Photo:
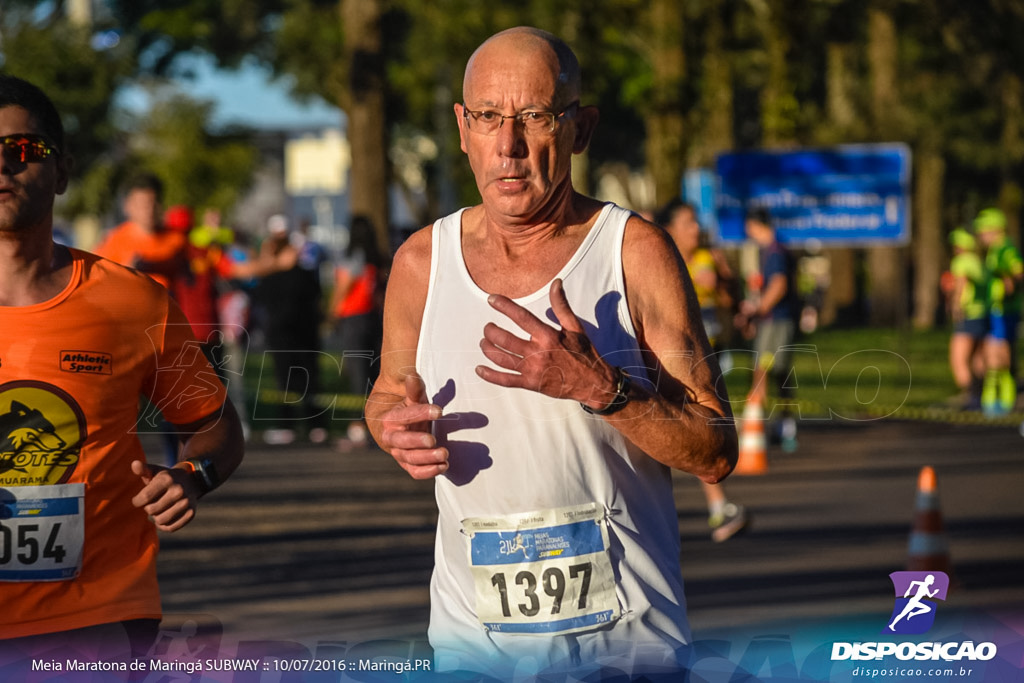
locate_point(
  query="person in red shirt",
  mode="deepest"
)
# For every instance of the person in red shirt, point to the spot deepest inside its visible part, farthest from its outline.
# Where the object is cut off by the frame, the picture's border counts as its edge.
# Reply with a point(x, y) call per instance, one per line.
point(195, 286)
point(79, 506)
point(206, 269)
point(356, 311)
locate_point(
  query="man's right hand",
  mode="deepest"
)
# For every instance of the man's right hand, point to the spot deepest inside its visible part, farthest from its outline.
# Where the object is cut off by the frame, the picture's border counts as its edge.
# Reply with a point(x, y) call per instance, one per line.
point(406, 433)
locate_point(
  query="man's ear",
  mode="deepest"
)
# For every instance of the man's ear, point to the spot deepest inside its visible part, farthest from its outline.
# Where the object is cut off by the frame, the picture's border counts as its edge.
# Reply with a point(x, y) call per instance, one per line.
point(65, 163)
point(460, 119)
point(586, 123)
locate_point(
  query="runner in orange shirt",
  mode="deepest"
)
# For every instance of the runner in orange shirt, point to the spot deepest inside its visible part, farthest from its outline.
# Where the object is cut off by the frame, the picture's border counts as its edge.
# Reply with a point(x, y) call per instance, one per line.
point(79, 506)
point(142, 242)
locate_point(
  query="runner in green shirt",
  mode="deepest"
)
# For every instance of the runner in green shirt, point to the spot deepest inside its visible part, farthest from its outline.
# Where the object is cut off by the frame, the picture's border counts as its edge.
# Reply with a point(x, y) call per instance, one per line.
point(1005, 297)
point(969, 310)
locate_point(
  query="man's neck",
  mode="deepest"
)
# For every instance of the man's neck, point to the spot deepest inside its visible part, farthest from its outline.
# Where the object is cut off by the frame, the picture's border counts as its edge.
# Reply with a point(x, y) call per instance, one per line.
point(558, 217)
point(31, 270)
point(515, 259)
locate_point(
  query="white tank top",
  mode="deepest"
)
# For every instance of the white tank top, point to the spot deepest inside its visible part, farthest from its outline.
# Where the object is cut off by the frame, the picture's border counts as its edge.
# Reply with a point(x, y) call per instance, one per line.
point(514, 452)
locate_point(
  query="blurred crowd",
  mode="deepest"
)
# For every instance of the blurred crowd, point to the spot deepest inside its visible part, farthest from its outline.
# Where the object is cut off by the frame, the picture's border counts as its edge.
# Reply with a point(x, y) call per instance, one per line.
point(274, 290)
point(277, 290)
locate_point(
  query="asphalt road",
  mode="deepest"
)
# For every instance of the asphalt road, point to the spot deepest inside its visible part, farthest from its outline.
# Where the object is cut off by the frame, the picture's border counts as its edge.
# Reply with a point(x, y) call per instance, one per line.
point(307, 545)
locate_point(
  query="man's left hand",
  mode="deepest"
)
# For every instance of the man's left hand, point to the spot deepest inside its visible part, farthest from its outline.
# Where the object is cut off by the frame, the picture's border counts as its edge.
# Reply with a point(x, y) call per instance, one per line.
point(561, 363)
point(168, 495)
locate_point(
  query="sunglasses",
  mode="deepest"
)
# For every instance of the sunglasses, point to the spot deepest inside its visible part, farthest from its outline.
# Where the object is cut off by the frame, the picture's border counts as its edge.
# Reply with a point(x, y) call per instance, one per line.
point(28, 147)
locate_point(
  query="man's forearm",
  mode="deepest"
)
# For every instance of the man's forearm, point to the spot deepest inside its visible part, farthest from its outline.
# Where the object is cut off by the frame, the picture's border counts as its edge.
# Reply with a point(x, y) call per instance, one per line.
point(218, 440)
point(690, 437)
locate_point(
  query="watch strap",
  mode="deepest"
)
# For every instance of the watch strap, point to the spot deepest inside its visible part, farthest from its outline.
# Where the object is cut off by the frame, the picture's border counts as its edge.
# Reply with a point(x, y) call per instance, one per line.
point(620, 399)
point(204, 472)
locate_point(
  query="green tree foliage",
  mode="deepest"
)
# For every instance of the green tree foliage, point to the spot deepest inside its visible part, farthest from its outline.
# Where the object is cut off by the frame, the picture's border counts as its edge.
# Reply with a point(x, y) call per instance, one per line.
point(968, 68)
point(49, 51)
point(82, 77)
point(425, 69)
point(230, 29)
point(424, 45)
point(676, 81)
point(198, 169)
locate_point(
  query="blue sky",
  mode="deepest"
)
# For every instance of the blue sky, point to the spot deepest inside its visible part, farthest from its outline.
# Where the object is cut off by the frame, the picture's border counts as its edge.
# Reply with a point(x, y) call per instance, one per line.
point(245, 96)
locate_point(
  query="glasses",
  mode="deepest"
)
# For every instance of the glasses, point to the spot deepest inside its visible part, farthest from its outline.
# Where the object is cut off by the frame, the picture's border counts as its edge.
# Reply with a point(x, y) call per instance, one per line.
point(488, 122)
point(28, 147)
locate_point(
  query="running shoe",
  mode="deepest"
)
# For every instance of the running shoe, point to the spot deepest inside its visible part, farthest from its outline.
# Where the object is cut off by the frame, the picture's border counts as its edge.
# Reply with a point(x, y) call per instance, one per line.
point(732, 520)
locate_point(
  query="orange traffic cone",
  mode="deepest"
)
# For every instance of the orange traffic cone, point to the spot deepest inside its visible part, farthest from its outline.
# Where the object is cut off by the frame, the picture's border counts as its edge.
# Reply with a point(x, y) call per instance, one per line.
point(753, 445)
point(927, 549)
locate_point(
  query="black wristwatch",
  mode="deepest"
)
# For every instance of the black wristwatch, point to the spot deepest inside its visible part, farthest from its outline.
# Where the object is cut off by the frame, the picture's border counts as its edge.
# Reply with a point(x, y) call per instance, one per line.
point(204, 473)
point(619, 401)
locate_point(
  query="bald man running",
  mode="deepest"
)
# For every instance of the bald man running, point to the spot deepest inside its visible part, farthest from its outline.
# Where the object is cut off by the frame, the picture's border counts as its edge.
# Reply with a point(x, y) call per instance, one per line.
point(545, 363)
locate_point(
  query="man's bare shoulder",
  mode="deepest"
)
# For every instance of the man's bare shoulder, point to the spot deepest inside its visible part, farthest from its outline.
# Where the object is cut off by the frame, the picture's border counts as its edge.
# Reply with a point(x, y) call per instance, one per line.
point(408, 282)
point(412, 259)
point(658, 286)
point(647, 250)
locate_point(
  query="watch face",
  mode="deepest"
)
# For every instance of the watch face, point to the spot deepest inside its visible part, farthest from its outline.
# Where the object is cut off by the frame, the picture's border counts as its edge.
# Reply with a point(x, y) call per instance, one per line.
point(200, 482)
point(200, 471)
point(213, 479)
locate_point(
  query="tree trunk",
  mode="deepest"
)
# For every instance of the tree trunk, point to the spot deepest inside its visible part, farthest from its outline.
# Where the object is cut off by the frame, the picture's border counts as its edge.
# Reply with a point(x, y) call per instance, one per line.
point(840, 82)
point(779, 107)
point(664, 119)
point(572, 29)
point(717, 94)
point(841, 296)
point(367, 127)
point(1012, 144)
point(887, 298)
point(1011, 196)
point(443, 196)
point(887, 286)
point(929, 254)
point(883, 53)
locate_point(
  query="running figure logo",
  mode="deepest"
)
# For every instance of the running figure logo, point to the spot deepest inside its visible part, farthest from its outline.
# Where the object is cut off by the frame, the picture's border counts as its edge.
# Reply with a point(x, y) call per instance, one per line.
point(515, 545)
point(914, 612)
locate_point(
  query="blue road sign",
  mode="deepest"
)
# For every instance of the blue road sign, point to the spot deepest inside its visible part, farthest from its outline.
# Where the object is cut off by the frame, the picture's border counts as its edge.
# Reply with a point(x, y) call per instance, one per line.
point(698, 189)
point(857, 195)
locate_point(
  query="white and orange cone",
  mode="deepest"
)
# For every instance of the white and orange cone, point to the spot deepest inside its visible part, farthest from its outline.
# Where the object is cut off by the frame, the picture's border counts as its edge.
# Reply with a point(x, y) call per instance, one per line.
point(928, 549)
point(753, 444)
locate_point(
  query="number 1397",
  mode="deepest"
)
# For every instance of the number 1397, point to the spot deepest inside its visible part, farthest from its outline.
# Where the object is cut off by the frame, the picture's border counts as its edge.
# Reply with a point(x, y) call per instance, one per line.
point(552, 582)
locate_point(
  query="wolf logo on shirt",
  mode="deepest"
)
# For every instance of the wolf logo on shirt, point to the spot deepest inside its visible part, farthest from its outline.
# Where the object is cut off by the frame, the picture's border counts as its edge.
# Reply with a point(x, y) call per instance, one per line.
point(38, 443)
point(26, 434)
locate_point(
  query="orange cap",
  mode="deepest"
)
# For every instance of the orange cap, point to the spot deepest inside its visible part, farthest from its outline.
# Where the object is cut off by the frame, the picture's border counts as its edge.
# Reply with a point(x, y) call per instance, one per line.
point(926, 482)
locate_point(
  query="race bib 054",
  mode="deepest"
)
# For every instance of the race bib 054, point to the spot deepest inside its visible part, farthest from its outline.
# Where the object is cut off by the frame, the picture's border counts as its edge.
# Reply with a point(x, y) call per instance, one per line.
point(545, 572)
point(41, 532)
